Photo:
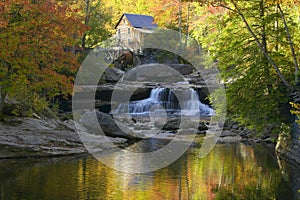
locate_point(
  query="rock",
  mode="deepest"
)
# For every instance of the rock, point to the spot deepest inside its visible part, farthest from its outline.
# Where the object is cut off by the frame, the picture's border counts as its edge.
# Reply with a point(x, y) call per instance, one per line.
point(140, 93)
point(245, 133)
point(142, 126)
point(228, 133)
point(235, 126)
point(189, 131)
point(93, 120)
point(202, 126)
point(172, 124)
point(39, 124)
point(153, 73)
point(268, 140)
point(184, 69)
point(104, 93)
point(112, 74)
point(36, 137)
point(69, 124)
point(29, 137)
point(228, 136)
point(229, 139)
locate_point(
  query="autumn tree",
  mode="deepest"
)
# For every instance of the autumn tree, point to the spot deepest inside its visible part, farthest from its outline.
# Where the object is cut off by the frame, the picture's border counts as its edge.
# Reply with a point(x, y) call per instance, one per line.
point(35, 65)
point(174, 15)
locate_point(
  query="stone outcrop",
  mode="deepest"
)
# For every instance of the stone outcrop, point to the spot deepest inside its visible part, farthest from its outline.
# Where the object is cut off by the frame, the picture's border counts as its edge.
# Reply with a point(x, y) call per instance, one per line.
point(183, 69)
point(31, 137)
point(228, 136)
point(153, 72)
point(233, 131)
point(288, 145)
point(101, 123)
point(112, 75)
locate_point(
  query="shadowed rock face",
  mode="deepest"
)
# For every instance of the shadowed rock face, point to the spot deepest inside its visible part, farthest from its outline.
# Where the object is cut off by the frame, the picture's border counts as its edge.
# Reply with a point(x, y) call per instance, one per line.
point(183, 69)
point(112, 75)
point(105, 124)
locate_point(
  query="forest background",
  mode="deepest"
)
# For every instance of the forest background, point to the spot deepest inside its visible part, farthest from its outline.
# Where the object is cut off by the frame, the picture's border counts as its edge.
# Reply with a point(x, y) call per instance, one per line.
point(255, 45)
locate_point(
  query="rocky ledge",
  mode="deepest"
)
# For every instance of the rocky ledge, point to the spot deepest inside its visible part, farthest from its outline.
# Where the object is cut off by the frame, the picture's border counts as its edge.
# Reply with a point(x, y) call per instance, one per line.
point(234, 133)
point(31, 137)
point(35, 137)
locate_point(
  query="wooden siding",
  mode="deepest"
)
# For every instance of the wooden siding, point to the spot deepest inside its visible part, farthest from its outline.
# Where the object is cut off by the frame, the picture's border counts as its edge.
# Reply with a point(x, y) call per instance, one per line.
point(128, 36)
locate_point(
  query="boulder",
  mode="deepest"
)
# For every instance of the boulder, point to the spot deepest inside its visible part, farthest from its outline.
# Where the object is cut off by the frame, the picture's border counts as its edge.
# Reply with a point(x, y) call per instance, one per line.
point(93, 120)
point(172, 124)
point(202, 126)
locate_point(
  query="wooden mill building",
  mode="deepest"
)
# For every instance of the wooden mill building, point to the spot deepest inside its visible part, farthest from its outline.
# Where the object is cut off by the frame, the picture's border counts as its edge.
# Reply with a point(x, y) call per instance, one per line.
point(132, 28)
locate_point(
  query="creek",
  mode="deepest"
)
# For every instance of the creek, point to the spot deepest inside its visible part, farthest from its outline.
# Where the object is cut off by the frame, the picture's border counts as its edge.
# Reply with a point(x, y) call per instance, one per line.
point(229, 171)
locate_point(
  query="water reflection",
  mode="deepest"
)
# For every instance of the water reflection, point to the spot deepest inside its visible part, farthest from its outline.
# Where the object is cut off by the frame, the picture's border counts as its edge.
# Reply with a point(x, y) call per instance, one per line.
point(235, 171)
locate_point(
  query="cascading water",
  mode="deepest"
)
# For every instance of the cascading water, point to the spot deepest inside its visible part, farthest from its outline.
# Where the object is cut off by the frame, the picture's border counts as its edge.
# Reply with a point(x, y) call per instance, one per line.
point(166, 99)
point(190, 104)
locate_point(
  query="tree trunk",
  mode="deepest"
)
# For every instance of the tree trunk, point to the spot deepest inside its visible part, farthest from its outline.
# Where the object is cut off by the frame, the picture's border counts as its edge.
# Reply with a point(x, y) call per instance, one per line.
point(265, 62)
point(83, 41)
point(2, 101)
point(179, 22)
point(290, 43)
point(86, 22)
point(187, 26)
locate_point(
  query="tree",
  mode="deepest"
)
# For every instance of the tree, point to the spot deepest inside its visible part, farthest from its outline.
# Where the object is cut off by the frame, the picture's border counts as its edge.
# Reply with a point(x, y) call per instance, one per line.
point(34, 64)
point(255, 45)
point(96, 20)
point(173, 15)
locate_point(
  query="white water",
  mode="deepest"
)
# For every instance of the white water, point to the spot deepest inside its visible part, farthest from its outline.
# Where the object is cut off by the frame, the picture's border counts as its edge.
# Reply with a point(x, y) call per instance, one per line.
point(190, 104)
point(162, 97)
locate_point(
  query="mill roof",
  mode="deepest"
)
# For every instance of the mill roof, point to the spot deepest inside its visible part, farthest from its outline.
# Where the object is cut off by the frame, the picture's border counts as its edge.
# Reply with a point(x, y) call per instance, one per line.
point(139, 21)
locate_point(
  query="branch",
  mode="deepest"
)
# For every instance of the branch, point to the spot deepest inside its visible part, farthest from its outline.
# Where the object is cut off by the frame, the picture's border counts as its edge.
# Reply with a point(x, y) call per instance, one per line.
point(17, 12)
point(227, 7)
point(262, 47)
point(96, 6)
point(56, 22)
point(291, 44)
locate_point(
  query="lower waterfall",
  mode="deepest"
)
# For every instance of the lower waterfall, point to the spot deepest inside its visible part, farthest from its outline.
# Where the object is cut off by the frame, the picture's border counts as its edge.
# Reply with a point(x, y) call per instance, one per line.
point(165, 98)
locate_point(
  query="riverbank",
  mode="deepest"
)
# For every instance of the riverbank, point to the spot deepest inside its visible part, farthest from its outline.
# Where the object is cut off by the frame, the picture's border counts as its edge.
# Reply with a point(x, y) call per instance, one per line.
point(33, 137)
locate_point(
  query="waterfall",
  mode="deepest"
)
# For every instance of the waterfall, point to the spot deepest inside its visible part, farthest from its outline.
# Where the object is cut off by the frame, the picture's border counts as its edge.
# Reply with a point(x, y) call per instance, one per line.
point(191, 102)
point(165, 98)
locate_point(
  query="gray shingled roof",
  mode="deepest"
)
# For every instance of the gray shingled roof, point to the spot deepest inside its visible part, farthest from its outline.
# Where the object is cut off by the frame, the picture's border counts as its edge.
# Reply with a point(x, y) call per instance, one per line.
point(139, 21)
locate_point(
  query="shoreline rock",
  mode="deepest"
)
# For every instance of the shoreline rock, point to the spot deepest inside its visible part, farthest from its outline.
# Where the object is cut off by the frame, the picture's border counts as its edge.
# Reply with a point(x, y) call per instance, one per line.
point(101, 123)
point(287, 147)
point(30, 137)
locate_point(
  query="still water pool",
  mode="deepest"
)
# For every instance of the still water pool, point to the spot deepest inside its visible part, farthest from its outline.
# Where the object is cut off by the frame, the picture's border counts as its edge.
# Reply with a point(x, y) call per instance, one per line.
point(230, 171)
